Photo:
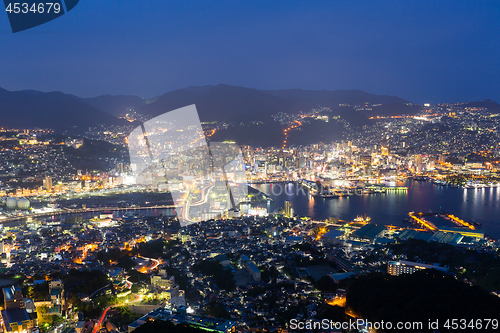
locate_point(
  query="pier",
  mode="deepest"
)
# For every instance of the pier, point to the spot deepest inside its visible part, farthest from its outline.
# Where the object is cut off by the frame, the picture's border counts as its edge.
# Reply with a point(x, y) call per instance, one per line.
point(429, 225)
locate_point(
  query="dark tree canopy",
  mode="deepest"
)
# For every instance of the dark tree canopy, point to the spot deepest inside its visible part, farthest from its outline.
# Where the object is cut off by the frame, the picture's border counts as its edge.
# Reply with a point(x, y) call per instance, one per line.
point(421, 296)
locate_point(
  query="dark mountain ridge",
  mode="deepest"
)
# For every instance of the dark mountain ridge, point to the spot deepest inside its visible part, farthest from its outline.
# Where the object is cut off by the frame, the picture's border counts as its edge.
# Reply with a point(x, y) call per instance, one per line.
point(116, 105)
point(222, 103)
point(230, 103)
point(332, 98)
point(53, 110)
point(64, 112)
point(492, 106)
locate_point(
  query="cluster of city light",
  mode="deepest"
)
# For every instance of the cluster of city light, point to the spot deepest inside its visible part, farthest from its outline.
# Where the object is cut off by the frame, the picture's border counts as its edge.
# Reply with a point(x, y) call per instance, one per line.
point(337, 301)
point(321, 232)
point(212, 132)
point(86, 248)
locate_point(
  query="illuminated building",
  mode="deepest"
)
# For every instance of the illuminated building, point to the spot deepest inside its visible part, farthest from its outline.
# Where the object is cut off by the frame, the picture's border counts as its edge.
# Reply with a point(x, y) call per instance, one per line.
point(253, 270)
point(365, 159)
point(15, 316)
point(288, 209)
point(183, 316)
point(56, 297)
point(167, 289)
point(47, 183)
point(464, 232)
point(257, 211)
point(410, 267)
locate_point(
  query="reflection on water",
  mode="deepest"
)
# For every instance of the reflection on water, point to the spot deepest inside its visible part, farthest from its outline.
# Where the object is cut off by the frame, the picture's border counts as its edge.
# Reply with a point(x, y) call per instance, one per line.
point(480, 205)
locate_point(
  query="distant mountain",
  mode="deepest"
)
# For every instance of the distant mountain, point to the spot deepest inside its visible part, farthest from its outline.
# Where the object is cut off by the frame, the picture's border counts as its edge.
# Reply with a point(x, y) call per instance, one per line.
point(352, 116)
point(53, 110)
point(392, 109)
point(333, 98)
point(233, 104)
point(236, 105)
point(222, 103)
point(116, 105)
point(269, 134)
point(492, 106)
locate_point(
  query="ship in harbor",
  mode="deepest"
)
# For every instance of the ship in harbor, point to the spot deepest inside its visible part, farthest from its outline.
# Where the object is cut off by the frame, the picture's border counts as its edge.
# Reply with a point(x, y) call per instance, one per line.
point(365, 218)
point(316, 189)
point(329, 195)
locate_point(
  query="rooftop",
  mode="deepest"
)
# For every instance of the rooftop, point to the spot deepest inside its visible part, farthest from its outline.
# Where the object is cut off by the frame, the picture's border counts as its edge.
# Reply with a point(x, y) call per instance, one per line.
point(370, 231)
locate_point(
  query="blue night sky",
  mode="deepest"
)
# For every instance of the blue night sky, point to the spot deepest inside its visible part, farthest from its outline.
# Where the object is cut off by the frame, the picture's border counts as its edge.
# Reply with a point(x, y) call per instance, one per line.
point(423, 51)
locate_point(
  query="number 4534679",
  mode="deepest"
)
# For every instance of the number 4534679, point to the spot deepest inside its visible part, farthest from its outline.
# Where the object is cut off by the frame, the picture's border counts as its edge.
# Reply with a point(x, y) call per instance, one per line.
point(36, 8)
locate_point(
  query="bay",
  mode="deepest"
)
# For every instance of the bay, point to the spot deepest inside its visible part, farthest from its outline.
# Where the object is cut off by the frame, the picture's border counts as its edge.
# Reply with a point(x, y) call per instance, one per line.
point(480, 205)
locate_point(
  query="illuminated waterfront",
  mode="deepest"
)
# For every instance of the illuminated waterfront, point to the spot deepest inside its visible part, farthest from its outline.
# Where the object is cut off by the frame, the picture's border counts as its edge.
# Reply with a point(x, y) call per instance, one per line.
point(480, 205)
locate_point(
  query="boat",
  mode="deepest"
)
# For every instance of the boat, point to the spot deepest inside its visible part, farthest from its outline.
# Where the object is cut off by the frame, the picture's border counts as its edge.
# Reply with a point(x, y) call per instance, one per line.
point(477, 224)
point(329, 195)
point(364, 218)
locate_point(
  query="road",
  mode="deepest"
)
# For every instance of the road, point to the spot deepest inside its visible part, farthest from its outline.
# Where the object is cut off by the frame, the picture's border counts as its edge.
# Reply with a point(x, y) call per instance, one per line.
point(104, 313)
point(146, 269)
point(203, 196)
point(81, 210)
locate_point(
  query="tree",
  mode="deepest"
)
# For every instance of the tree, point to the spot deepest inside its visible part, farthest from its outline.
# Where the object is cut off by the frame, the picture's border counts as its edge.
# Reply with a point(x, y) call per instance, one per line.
point(326, 284)
point(40, 292)
point(423, 295)
point(217, 310)
point(222, 277)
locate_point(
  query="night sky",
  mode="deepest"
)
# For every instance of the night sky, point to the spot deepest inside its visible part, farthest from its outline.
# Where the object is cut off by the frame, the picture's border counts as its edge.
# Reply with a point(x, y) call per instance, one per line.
point(423, 51)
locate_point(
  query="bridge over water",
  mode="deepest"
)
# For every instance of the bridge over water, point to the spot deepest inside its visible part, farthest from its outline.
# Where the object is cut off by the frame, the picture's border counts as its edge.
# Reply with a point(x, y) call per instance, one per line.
point(67, 211)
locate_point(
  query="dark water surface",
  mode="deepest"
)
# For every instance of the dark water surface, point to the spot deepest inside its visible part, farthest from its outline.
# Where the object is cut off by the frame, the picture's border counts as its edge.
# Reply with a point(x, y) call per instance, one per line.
point(480, 205)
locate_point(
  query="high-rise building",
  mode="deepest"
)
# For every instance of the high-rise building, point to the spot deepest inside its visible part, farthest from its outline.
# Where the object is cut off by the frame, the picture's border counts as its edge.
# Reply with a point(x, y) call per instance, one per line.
point(119, 167)
point(14, 315)
point(365, 159)
point(47, 183)
point(166, 288)
point(288, 209)
point(56, 297)
point(418, 159)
